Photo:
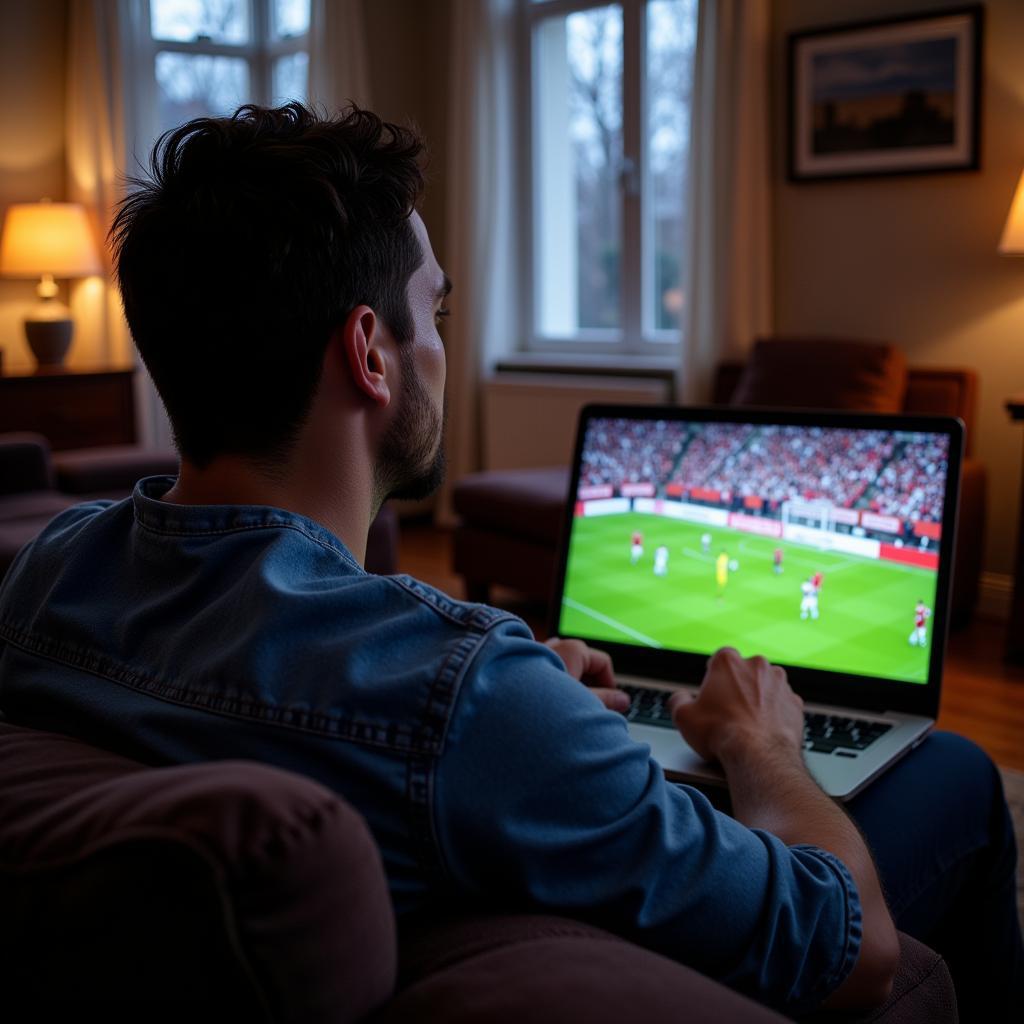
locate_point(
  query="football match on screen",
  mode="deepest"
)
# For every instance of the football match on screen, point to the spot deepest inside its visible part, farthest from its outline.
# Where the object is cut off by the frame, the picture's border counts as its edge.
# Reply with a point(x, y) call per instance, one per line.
point(816, 547)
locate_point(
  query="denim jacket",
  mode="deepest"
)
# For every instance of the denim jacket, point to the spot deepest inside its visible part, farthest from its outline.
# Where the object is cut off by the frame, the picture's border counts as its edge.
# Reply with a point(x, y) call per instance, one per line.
point(176, 633)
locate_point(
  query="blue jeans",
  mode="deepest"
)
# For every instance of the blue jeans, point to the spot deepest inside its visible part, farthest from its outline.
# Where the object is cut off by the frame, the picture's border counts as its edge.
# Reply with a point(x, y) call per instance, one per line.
point(940, 831)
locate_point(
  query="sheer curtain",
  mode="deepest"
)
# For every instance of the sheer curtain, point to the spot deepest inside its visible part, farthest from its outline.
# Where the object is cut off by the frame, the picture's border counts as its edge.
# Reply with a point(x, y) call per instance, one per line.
point(96, 147)
point(481, 224)
point(728, 258)
point(101, 133)
point(338, 70)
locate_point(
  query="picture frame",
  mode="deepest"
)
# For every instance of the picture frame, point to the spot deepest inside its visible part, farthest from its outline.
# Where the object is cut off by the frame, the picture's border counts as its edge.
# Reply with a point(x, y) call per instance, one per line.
point(896, 96)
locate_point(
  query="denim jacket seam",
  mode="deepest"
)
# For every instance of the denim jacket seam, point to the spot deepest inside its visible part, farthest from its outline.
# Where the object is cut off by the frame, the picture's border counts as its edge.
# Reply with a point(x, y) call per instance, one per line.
point(354, 730)
point(480, 618)
point(422, 770)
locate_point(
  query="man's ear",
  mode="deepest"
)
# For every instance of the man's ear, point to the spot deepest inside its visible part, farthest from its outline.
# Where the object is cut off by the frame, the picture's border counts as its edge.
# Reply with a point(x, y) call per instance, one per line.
point(367, 357)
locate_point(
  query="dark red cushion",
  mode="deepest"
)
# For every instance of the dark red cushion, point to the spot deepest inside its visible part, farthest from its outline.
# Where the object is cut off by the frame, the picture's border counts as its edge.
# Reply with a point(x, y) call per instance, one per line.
point(509, 969)
point(25, 463)
point(35, 505)
point(113, 469)
point(295, 879)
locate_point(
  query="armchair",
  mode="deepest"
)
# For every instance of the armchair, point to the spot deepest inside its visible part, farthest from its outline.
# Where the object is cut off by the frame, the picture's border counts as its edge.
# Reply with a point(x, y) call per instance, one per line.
point(239, 886)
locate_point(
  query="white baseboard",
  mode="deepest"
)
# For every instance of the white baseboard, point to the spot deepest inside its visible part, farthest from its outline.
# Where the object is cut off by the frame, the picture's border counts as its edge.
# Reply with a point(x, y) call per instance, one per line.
point(994, 596)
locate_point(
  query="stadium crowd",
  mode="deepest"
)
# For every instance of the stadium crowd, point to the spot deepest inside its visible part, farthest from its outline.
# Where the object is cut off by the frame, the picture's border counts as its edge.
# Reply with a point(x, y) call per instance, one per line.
point(709, 450)
point(626, 451)
point(873, 469)
point(911, 486)
point(780, 463)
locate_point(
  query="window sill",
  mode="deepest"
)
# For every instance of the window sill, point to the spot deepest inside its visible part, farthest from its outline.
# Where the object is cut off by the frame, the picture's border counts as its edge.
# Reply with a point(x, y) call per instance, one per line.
point(661, 367)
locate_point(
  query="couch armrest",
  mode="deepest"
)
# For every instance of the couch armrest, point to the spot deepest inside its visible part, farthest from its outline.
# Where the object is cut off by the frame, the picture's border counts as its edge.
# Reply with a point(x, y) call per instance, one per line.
point(921, 994)
point(25, 463)
point(513, 967)
point(111, 471)
point(510, 968)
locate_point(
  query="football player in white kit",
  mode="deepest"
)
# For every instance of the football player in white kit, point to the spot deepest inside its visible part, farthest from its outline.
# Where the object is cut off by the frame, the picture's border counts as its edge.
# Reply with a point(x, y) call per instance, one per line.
point(809, 602)
point(661, 561)
point(705, 542)
point(919, 634)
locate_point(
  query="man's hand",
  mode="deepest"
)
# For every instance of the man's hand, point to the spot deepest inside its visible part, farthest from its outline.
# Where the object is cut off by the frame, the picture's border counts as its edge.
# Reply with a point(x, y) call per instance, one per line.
point(592, 668)
point(745, 706)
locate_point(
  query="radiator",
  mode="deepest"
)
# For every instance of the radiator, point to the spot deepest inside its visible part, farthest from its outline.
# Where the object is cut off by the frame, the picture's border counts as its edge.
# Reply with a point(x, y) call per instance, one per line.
point(529, 419)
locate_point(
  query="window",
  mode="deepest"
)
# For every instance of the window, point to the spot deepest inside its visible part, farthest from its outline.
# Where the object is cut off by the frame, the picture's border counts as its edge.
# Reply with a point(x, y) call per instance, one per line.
point(211, 56)
point(610, 88)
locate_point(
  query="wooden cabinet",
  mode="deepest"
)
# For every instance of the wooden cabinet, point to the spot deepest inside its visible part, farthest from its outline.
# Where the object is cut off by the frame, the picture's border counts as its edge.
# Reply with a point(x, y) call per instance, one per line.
point(71, 408)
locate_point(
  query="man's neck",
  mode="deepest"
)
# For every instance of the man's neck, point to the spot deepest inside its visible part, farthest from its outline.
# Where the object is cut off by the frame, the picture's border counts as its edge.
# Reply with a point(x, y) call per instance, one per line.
point(327, 498)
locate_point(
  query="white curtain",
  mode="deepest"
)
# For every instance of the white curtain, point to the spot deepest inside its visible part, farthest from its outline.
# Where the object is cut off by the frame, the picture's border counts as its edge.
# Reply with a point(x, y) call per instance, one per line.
point(338, 70)
point(728, 258)
point(481, 241)
point(95, 144)
point(101, 133)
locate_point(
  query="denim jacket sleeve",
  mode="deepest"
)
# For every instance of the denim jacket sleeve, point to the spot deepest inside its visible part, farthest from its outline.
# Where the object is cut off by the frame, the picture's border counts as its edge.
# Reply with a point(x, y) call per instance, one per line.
point(542, 795)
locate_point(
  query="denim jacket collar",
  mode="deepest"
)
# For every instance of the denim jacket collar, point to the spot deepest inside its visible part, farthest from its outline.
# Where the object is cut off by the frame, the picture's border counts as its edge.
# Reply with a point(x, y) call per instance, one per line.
point(165, 517)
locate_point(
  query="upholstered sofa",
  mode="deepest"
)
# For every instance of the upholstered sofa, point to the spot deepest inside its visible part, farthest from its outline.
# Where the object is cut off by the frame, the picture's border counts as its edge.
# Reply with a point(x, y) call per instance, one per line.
point(509, 522)
point(36, 484)
point(142, 893)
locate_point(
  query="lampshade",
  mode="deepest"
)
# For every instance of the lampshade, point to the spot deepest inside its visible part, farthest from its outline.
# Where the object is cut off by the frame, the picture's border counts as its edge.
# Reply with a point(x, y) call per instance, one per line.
point(1012, 242)
point(47, 238)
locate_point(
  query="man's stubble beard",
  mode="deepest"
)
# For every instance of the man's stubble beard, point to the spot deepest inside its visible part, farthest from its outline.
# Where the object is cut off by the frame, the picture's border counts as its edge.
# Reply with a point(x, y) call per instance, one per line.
point(411, 464)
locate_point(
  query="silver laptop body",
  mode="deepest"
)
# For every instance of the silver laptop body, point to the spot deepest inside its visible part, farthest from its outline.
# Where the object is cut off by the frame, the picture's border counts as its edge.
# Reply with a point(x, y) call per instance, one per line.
point(823, 541)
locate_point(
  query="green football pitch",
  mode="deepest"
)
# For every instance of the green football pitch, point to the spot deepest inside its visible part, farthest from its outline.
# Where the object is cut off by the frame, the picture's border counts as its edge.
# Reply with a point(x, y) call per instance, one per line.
point(866, 606)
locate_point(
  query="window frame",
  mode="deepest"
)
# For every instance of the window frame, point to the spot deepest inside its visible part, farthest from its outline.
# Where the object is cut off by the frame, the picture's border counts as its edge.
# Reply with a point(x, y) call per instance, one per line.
point(260, 53)
point(636, 337)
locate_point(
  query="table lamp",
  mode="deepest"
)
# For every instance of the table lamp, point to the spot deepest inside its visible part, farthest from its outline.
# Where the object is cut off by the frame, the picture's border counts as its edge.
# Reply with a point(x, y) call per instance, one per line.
point(1012, 242)
point(48, 240)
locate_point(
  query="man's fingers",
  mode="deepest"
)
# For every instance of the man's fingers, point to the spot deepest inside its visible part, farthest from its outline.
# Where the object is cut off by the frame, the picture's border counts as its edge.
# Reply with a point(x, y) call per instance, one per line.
point(680, 704)
point(724, 653)
point(614, 700)
point(597, 669)
point(585, 663)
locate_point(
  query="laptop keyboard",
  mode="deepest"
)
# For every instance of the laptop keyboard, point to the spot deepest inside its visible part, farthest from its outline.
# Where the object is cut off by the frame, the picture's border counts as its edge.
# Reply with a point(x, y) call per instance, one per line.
point(825, 734)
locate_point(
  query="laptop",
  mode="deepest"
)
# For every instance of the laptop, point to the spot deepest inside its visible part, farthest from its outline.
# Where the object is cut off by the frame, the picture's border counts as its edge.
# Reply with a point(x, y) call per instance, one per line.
point(822, 541)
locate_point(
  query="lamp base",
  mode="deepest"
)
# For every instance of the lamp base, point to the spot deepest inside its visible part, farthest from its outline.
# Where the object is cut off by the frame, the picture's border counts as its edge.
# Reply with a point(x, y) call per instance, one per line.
point(49, 340)
point(48, 331)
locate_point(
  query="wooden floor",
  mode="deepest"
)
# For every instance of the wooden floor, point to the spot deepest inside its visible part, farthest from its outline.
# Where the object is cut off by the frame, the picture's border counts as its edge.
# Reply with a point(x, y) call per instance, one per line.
point(982, 696)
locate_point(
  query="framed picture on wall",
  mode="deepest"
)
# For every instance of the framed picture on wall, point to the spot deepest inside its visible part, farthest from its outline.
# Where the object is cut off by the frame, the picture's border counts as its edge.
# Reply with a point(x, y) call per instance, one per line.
point(900, 96)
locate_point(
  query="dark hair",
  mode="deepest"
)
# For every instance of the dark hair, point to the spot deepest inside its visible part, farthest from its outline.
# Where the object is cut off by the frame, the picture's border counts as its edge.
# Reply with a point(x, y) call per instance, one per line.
point(255, 237)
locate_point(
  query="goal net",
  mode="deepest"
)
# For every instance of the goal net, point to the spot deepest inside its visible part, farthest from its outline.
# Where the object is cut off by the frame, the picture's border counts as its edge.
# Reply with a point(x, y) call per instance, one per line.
point(814, 514)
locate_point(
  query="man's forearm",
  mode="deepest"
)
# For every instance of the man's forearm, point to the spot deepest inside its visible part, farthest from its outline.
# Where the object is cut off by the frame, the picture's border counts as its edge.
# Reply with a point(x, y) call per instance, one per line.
point(773, 791)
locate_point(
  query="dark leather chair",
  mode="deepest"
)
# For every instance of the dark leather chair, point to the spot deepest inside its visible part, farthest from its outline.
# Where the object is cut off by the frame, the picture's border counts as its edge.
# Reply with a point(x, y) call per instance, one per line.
point(142, 892)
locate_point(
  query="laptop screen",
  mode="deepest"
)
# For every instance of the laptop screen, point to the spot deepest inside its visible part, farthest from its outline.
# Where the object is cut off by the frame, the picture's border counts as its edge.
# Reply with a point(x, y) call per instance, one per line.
point(815, 546)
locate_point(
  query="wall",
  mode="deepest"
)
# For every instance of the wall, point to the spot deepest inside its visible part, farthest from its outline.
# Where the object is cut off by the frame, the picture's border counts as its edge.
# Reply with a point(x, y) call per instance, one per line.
point(32, 52)
point(913, 259)
point(408, 44)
